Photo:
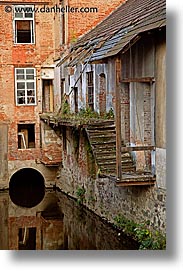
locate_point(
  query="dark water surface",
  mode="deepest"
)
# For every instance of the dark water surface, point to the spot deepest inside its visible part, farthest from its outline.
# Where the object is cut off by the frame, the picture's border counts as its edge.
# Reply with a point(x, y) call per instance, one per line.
point(57, 223)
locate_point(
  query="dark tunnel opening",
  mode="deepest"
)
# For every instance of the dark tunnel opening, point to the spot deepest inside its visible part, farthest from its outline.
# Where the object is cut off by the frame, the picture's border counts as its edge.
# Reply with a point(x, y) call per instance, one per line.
point(27, 188)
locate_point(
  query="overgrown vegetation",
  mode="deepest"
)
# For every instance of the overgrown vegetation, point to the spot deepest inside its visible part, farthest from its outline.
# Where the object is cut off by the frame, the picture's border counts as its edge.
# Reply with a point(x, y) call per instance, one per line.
point(80, 193)
point(65, 109)
point(84, 113)
point(140, 232)
point(109, 115)
point(87, 113)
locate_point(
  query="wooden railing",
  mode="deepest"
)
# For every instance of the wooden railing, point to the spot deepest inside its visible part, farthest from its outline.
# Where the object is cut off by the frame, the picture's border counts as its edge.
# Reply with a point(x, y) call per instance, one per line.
point(141, 166)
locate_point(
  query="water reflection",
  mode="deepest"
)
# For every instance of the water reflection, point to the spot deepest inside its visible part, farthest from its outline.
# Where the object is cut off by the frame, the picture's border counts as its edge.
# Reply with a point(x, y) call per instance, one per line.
point(57, 223)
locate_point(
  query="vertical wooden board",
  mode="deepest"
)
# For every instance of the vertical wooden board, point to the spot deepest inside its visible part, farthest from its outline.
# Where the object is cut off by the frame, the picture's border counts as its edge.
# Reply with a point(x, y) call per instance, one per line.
point(118, 119)
point(3, 151)
point(51, 97)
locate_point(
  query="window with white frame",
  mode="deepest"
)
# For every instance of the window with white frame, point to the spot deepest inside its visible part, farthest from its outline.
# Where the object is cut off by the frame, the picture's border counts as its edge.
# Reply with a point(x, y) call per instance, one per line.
point(25, 86)
point(24, 24)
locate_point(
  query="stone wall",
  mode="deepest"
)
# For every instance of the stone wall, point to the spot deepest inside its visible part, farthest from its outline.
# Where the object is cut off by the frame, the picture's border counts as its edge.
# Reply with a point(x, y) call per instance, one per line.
point(48, 173)
point(102, 196)
point(35, 55)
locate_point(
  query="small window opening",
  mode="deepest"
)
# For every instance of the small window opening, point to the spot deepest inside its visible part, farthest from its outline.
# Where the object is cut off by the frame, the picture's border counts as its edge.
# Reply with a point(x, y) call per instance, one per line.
point(76, 99)
point(27, 238)
point(23, 24)
point(90, 88)
point(24, 31)
point(26, 136)
point(62, 89)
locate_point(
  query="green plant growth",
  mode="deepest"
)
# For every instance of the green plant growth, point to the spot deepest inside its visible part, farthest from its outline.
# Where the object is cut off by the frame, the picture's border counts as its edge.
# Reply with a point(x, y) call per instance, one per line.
point(84, 115)
point(80, 193)
point(109, 114)
point(140, 232)
point(88, 113)
point(65, 109)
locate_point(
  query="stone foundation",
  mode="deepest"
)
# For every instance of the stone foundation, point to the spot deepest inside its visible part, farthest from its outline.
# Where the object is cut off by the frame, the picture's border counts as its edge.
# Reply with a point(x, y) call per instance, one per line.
point(137, 203)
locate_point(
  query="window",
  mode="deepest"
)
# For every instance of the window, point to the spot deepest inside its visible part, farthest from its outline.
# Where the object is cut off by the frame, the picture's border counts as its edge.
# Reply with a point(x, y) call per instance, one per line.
point(62, 89)
point(27, 238)
point(25, 86)
point(26, 136)
point(24, 24)
point(90, 89)
point(76, 99)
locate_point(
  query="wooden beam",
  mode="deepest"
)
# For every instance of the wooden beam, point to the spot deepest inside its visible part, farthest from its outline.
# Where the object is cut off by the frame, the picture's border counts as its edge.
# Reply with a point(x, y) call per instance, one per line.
point(51, 97)
point(118, 119)
point(139, 79)
point(137, 148)
point(135, 183)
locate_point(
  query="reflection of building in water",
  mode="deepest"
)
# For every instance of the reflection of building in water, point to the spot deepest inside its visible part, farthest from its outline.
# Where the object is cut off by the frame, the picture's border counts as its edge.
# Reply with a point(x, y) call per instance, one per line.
point(57, 223)
point(38, 228)
point(35, 233)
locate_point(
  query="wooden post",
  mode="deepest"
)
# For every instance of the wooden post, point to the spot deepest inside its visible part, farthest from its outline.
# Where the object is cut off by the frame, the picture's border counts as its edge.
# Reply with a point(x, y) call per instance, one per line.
point(118, 119)
point(51, 97)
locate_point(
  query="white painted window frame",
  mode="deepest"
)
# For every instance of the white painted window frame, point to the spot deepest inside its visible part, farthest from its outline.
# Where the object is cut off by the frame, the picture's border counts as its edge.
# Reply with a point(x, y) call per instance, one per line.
point(25, 81)
point(24, 19)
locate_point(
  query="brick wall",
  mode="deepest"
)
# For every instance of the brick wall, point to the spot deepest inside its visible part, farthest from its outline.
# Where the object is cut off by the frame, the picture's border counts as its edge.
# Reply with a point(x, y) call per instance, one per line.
point(13, 56)
point(80, 23)
point(43, 52)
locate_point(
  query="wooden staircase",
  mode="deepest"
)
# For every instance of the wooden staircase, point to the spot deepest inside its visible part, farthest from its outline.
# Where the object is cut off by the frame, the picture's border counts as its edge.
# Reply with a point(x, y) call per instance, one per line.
point(102, 137)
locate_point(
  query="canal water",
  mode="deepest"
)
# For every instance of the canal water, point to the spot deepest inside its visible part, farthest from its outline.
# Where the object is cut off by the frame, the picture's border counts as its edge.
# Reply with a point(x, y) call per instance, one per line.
point(56, 223)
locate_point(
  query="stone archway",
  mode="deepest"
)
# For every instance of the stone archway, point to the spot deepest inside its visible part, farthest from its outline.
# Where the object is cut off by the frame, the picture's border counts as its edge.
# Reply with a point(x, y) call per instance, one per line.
point(27, 187)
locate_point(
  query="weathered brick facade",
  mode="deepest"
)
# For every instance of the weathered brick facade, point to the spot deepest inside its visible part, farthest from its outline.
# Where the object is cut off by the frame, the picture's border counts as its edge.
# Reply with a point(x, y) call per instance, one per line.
point(81, 22)
point(40, 54)
point(25, 55)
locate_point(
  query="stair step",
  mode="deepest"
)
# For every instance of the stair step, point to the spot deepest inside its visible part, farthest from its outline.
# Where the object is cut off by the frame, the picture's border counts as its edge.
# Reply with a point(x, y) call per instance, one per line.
point(126, 164)
point(103, 142)
point(102, 127)
point(109, 151)
point(104, 135)
point(110, 158)
point(97, 132)
point(102, 123)
point(112, 169)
